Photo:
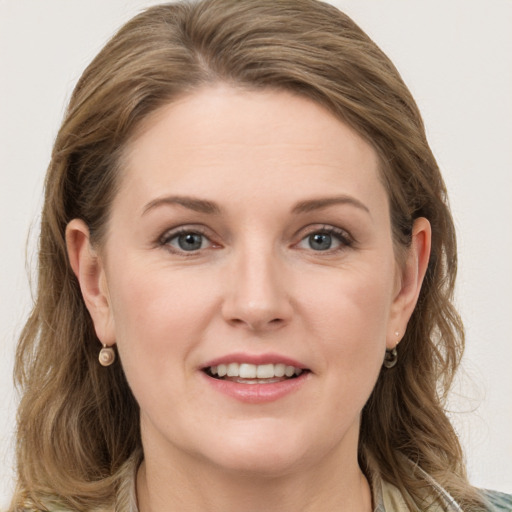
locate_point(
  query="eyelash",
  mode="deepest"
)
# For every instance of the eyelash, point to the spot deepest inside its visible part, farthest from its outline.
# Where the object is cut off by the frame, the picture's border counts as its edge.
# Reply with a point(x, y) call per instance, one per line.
point(345, 240)
point(168, 236)
point(342, 236)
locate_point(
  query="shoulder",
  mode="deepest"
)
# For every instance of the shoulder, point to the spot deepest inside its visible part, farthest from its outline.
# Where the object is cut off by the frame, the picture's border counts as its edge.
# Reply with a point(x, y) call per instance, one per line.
point(499, 501)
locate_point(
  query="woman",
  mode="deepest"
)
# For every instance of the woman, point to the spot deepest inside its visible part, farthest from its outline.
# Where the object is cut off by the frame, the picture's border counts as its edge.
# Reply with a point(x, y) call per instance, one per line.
point(245, 278)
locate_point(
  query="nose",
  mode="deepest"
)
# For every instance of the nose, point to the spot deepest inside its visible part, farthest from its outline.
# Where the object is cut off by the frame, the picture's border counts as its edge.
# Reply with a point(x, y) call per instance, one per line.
point(256, 296)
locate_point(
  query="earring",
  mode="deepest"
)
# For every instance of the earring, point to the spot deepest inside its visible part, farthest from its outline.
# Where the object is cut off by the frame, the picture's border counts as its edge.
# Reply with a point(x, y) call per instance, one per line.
point(107, 356)
point(391, 357)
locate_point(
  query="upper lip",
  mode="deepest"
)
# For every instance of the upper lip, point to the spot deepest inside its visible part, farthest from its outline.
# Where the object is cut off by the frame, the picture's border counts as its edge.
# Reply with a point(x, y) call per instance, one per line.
point(256, 359)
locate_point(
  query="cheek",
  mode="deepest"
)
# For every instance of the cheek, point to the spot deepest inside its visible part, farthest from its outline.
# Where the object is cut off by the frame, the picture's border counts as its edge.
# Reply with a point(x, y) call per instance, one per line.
point(157, 327)
point(156, 314)
point(347, 317)
point(349, 301)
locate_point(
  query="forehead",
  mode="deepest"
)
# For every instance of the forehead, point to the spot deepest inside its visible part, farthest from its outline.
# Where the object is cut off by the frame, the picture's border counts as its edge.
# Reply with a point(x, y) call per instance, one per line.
point(220, 137)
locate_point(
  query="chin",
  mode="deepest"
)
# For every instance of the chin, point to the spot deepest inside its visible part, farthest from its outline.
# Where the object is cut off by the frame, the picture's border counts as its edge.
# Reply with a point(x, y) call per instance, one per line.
point(263, 452)
point(265, 464)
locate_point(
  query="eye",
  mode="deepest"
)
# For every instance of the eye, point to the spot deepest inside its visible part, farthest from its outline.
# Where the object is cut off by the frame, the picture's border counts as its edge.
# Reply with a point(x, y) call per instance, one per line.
point(326, 239)
point(320, 241)
point(186, 241)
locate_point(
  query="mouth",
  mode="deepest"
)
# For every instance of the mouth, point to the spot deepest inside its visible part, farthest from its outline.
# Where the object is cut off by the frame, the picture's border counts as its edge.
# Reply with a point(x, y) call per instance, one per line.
point(247, 373)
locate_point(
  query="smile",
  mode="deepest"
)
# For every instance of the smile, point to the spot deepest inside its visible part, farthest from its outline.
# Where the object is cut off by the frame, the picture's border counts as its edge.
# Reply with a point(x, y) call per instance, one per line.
point(246, 373)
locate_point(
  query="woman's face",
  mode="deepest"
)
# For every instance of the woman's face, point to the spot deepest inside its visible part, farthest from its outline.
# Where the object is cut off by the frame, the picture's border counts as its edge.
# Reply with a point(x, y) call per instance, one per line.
point(250, 235)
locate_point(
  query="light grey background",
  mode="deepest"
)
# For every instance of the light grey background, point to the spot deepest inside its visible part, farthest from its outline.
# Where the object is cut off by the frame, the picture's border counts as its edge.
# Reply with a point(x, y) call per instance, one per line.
point(455, 55)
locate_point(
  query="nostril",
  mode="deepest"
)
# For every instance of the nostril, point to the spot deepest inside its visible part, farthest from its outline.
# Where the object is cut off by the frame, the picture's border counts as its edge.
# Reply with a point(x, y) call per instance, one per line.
point(257, 323)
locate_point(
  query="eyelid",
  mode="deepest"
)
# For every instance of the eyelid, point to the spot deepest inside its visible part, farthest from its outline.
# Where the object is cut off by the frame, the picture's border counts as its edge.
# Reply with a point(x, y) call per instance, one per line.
point(180, 230)
point(342, 235)
point(168, 235)
point(345, 239)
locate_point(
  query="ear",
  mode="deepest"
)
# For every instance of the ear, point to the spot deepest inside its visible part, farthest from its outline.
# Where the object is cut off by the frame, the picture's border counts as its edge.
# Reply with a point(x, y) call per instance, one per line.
point(410, 279)
point(89, 269)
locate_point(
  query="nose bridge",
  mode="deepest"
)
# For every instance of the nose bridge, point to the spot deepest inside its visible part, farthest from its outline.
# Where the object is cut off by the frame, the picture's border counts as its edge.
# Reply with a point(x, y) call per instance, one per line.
point(257, 295)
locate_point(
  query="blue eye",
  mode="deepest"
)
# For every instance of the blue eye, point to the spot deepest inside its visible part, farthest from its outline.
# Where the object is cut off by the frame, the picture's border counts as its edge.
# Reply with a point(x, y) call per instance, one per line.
point(190, 241)
point(326, 239)
point(320, 241)
point(187, 241)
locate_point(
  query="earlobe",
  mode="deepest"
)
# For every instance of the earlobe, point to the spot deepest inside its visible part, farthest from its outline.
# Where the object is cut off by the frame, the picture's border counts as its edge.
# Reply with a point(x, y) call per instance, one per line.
point(411, 278)
point(88, 268)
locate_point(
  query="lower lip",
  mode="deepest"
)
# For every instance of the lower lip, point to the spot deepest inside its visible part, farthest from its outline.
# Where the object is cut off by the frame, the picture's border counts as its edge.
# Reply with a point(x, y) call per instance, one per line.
point(257, 393)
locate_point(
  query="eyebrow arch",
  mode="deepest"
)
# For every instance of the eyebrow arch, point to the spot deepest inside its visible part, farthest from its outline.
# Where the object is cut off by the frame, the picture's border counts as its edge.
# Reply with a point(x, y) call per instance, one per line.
point(192, 203)
point(324, 202)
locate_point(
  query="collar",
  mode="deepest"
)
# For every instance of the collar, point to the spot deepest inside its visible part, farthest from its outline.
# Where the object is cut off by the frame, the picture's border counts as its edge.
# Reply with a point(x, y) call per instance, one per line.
point(388, 498)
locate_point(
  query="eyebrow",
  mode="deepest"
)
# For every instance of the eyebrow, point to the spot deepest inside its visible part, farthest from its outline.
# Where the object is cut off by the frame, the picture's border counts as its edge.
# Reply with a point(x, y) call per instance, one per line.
point(192, 203)
point(209, 207)
point(325, 202)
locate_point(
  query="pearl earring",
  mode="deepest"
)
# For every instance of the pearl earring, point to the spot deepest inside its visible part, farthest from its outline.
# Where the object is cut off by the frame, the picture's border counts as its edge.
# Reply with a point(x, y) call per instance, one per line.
point(107, 356)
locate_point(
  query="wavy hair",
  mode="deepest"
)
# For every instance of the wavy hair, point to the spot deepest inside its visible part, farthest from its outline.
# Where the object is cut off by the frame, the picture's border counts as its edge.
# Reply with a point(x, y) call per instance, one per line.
point(78, 423)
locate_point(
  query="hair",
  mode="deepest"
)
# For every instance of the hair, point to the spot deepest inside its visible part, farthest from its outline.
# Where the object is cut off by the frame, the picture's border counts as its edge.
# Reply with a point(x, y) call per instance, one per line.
point(78, 424)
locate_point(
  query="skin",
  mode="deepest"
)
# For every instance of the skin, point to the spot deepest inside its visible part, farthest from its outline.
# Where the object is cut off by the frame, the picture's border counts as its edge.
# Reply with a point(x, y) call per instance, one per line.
point(256, 286)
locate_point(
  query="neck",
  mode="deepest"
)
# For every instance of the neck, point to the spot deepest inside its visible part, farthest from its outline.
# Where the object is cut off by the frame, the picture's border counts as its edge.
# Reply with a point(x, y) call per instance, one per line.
point(332, 485)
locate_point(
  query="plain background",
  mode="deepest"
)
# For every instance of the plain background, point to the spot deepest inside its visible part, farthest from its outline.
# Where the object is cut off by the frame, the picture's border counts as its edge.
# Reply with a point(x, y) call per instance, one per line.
point(456, 57)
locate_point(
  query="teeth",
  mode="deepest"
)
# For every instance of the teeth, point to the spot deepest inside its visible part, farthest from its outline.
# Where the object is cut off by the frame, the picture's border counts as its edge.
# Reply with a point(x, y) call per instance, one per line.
point(253, 371)
point(247, 371)
point(265, 371)
point(279, 370)
point(233, 370)
point(289, 371)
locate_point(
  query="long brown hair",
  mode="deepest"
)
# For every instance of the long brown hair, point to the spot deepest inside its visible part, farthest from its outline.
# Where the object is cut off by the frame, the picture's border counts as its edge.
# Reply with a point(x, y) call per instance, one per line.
point(78, 423)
